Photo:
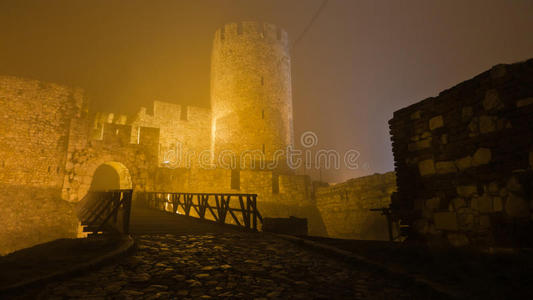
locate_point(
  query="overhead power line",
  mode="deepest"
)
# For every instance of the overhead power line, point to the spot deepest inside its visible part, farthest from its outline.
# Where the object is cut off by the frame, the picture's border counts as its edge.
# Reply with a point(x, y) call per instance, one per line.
point(313, 19)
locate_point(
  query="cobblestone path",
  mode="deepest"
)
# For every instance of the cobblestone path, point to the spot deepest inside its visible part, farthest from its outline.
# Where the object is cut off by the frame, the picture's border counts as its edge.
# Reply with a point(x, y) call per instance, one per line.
point(229, 266)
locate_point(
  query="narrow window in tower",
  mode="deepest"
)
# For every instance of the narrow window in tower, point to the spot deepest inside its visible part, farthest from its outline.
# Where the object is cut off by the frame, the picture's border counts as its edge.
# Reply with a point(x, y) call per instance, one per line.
point(57, 170)
point(262, 31)
point(263, 148)
point(239, 28)
point(48, 169)
point(263, 114)
point(275, 183)
point(235, 179)
point(184, 113)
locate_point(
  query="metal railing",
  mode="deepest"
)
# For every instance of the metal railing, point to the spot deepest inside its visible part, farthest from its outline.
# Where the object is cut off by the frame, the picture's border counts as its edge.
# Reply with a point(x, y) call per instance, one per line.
point(242, 208)
point(106, 211)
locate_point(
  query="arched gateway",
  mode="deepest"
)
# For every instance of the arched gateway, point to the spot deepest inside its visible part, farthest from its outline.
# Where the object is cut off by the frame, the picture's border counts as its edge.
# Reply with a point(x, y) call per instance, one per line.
point(111, 176)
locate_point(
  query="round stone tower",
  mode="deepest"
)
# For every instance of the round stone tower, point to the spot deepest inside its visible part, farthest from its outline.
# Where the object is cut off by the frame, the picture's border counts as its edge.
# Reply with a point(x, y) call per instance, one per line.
point(251, 95)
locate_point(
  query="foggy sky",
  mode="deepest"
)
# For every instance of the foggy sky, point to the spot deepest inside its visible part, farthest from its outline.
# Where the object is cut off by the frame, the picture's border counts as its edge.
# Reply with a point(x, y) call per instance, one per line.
point(358, 63)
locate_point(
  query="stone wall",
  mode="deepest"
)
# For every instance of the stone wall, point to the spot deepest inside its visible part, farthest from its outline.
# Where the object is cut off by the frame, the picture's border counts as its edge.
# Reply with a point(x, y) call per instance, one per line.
point(34, 130)
point(33, 215)
point(464, 159)
point(345, 207)
point(34, 135)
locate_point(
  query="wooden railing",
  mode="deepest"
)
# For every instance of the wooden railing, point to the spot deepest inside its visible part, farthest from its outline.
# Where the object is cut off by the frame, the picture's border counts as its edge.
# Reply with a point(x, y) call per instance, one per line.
point(107, 211)
point(242, 208)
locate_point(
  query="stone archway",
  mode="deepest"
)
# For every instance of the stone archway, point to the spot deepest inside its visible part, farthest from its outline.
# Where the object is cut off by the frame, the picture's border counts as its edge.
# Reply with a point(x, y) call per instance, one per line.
point(111, 175)
point(79, 178)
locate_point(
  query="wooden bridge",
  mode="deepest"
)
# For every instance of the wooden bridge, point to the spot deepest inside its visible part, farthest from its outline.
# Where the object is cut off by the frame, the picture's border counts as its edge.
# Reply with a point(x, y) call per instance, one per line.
point(111, 211)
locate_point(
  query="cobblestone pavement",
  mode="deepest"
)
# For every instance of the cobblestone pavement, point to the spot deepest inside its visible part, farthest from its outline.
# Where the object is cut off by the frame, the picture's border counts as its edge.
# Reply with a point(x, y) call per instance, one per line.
point(229, 266)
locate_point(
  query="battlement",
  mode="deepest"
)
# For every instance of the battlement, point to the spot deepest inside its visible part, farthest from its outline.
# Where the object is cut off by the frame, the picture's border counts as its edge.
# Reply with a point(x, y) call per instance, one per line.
point(110, 118)
point(113, 130)
point(253, 31)
point(165, 112)
point(116, 133)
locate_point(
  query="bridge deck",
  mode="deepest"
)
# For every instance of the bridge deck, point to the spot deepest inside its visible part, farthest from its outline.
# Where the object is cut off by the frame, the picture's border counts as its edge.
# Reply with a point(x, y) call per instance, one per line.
point(148, 221)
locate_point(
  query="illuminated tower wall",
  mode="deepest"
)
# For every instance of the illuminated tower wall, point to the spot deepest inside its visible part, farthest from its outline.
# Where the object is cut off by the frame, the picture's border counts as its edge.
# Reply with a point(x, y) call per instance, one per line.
point(251, 94)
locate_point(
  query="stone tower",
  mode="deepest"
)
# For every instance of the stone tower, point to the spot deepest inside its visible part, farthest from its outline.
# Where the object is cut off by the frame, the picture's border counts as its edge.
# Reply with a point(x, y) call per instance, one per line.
point(251, 95)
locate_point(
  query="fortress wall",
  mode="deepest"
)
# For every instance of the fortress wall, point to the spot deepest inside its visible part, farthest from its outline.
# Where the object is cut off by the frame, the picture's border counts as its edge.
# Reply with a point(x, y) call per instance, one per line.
point(295, 189)
point(34, 133)
point(183, 129)
point(345, 207)
point(464, 159)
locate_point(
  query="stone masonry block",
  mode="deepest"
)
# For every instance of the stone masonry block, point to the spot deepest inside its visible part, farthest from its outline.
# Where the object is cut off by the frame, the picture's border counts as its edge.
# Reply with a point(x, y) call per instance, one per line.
point(445, 221)
point(436, 122)
point(497, 204)
point(425, 135)
point(416, 115)
point(432, 204)
point(445, 167)
point(423, 144)
point(481, 157)
point(426, 167)
point(514, 185)
point(444, 139)
point(487, 124)
point(516, 206)
point(458, 239)
point(524, 102)
point(464, 163)
point(483, 204)
point(466, 113)
point(457, 203)
point(493, 188)
point(466, 190)
point(484, 222)
point(492, 100)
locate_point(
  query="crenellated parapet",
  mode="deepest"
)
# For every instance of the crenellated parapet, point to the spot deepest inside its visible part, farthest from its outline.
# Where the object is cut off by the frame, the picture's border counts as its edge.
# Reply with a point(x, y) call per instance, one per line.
point(116, 130)
point(251, 31)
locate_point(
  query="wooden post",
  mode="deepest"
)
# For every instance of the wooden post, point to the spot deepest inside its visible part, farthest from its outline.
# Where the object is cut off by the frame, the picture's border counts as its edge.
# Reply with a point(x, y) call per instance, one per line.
point(245, 210)
point(128, 196)
point(116, 201)
point(254, 200)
